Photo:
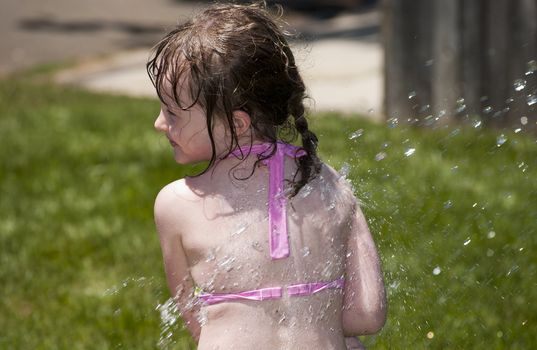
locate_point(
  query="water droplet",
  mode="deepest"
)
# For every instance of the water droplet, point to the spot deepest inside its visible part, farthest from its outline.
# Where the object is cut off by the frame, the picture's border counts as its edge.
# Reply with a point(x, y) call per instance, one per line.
point(491, 234)
point(477, 123)
point(500, 140)
point(517, 130)
point(523, 166)
point(227, 263)
point(490, 252)
point(305, 251)
point(455, 168)
point(210, 257)
point(305, 191)
point(239, 231)
point(487, 109)
point(532, 67)
point(281, 319)
point(460, 106)
point(519, 84)
point(468, 240)
point(437, 270)
point(356, 134)
point(429, 63)
point(514, 268)
point(499, 334)
point(520, 249)
point(393, 122)
point(344, 171)
point(430, 335)
point(455, 132)
point(523, 120)
point(395, 285)
point(257, 246)
point(370, 111)
point(410, 152)
point(531, 99)
point(425, 108)
point(448, 204)
point(380, 156)
point(411, 95)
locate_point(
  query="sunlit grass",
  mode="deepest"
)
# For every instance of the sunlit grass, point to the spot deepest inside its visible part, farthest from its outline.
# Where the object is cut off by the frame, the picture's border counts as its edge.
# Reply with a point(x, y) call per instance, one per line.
point(81, 265)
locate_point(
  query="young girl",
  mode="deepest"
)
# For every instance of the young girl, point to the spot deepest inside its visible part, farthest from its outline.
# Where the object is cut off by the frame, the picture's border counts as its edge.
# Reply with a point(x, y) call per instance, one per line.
point(267, 248)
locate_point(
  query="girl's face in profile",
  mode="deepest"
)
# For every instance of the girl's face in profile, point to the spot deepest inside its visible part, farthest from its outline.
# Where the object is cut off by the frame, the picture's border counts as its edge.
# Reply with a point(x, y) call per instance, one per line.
point(186, 130)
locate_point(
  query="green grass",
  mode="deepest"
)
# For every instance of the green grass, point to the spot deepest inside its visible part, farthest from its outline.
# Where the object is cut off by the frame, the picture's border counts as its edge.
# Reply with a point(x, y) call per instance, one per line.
point(80, 264)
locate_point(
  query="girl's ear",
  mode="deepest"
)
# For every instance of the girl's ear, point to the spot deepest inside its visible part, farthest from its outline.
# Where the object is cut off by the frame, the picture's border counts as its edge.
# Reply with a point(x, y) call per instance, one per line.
point(241, 121)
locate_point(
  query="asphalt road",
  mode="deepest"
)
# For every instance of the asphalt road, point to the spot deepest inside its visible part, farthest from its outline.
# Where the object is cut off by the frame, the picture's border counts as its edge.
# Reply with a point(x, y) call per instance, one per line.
point(39, 32)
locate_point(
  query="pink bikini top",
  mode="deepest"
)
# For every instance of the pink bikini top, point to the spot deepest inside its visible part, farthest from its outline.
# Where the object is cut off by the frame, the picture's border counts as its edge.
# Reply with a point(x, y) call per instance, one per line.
point(277, 220)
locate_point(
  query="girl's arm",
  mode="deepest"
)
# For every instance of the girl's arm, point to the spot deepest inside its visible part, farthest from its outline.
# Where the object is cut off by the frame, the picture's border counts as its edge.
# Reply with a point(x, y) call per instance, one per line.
point(178, 276)
point(364, 305)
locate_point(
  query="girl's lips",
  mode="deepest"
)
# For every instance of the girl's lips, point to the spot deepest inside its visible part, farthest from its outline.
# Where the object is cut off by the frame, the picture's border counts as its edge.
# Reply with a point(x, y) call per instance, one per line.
point(172, 143)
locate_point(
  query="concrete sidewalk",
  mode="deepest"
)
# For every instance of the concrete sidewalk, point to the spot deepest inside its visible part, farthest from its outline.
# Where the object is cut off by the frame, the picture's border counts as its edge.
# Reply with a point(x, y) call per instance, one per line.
point(340, 75)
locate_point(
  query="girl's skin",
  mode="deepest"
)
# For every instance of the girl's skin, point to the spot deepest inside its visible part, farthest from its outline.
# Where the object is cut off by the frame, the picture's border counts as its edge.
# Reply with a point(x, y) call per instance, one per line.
point(213, 231)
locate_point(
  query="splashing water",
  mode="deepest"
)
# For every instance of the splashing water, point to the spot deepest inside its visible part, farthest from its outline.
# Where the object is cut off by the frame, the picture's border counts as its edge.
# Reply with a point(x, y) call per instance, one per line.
point(393, 122)
point(169, 316)
point(345, 170)
point(410, 152)
point(487, 110)
point(500, 140)
point(461, 106)
point(356, 134)
point(531, 99)
point(380, 156)
point(519, 84)
point(531, 67)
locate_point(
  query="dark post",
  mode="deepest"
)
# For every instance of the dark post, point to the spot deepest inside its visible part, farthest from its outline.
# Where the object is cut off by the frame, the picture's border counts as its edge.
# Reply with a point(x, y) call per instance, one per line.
point(456, 60)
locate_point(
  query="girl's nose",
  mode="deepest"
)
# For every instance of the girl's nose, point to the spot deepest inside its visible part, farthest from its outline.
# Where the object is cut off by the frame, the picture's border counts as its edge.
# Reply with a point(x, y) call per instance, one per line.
point(160, 123)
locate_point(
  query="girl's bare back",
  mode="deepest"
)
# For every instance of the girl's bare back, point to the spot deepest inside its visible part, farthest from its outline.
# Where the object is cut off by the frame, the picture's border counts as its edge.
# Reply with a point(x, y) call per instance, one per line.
point(225, 238)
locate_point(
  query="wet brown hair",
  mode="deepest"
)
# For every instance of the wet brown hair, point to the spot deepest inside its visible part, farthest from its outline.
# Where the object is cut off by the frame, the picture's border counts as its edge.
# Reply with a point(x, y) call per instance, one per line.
point(235, 57)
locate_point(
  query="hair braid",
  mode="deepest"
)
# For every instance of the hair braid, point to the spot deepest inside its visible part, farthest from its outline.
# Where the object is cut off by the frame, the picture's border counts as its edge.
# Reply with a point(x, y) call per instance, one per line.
point(308, 165)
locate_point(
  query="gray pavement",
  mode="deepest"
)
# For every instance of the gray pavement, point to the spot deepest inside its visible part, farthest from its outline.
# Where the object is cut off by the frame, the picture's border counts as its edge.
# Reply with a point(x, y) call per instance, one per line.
point(340, 57)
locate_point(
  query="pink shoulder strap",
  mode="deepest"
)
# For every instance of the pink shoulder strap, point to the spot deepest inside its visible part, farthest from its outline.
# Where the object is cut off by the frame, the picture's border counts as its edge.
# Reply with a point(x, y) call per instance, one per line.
point(277, 201)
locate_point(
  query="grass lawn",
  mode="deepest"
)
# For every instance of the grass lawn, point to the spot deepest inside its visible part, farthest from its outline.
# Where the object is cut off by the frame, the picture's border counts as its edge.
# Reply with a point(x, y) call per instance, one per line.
point(453, 212)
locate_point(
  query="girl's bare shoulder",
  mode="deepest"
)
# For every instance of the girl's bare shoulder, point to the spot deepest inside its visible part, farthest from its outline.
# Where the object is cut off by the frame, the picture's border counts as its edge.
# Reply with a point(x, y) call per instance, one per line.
point(174, 203)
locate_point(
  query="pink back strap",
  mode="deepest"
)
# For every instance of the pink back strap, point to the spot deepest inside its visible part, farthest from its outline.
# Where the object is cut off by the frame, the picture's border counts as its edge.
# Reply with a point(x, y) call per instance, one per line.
point(312, 288)
point(277, 201)
point(302, 289)
point(256, 294)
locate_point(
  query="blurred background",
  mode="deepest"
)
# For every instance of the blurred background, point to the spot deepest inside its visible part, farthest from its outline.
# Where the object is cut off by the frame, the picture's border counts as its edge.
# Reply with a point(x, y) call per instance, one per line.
point(428, 107)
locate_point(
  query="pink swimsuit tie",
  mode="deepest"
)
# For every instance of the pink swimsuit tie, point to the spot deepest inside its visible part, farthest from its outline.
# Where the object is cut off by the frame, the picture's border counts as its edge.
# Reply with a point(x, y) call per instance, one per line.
point(277, 201)
point(278, 238)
